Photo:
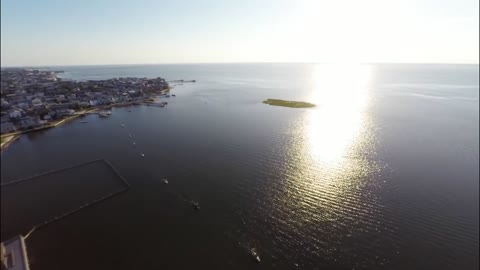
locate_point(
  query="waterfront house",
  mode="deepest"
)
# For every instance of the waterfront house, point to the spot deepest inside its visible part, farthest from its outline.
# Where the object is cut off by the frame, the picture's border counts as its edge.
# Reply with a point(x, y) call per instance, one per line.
point(7, 127)
point(30, 122)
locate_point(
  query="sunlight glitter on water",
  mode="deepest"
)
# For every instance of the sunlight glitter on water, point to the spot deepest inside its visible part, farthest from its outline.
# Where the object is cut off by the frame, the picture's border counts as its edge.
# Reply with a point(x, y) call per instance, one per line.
point(342, 95)
point(328, 169)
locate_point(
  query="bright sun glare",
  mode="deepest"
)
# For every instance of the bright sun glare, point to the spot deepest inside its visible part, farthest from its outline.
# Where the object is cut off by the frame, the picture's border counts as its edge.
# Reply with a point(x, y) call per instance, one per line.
point(341, 95)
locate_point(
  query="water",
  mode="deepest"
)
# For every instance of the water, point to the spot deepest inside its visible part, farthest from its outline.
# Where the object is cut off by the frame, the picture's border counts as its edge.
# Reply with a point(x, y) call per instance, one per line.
point(382, 174)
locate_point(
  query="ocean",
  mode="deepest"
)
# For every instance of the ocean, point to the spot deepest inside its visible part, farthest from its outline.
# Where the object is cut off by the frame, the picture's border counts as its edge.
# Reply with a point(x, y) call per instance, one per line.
point(381, 174)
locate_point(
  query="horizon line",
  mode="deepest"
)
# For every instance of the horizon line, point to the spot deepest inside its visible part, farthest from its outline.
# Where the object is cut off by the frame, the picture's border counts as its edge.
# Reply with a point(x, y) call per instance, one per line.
point(219, 63)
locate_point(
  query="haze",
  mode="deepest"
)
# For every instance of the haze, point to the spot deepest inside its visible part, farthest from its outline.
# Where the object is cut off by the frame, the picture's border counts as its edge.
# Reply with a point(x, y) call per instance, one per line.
point(36, 33)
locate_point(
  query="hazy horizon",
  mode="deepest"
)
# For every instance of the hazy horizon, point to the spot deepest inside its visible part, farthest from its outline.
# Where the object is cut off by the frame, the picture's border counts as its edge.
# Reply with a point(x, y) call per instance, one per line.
point(50, 33)
point(231, 63)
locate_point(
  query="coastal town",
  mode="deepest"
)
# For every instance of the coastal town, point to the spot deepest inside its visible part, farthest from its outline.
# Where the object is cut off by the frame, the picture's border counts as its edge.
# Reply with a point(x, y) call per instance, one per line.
point(34, 99)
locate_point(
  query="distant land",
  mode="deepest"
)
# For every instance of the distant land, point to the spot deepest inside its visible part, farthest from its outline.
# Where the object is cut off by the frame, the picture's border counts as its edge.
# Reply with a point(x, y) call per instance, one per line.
point(287, 103)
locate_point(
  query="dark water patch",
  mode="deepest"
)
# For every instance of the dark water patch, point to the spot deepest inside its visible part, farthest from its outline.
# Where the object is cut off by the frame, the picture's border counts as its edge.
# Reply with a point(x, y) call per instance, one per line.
point(37, 200)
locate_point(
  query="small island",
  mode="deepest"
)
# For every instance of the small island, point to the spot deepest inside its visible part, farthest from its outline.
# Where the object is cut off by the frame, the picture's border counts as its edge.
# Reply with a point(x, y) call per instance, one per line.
point(287, 103)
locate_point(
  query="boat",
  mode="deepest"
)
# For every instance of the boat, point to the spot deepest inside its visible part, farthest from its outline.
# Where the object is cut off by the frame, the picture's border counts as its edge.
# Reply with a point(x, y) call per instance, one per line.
point(142, 154)
point(105, 113)
point(173, 95)
point(255, 255)
point(123, 125)
point(165, 181)
point(195, 205)
point(84, 122)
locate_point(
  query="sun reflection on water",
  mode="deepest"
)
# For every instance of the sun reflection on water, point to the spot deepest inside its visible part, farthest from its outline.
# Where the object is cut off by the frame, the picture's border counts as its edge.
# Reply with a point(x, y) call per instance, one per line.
point(341, 95)
point(329, 172)
point(329, 156)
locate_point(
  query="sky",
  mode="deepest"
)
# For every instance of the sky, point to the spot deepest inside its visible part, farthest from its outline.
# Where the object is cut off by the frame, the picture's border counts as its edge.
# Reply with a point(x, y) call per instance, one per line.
point(95, 32)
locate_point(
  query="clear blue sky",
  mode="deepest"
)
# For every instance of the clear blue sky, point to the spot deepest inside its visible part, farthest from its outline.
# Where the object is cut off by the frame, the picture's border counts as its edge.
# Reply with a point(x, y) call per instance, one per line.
point(61, 32)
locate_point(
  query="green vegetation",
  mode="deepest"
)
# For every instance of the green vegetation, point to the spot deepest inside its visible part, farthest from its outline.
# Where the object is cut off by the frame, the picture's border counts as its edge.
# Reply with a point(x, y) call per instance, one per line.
point(287, 103)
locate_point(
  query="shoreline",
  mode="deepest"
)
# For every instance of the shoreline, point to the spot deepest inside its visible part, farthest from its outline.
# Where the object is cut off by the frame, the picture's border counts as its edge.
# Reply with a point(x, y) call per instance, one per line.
point(9, 140)
point(11, 137)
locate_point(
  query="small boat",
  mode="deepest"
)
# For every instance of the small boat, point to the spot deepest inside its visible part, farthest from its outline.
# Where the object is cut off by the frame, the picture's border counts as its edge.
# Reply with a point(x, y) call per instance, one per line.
point(84, 122)
point(195, 205)
point(142, 154)
point(173, 95)
point(133, 143)
point(165, 181)
point(123, 125)
point(255, 255)
point(105, 113)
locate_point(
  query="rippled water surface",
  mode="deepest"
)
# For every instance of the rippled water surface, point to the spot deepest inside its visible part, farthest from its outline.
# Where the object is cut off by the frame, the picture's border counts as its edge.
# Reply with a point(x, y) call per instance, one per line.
point(382, 174)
